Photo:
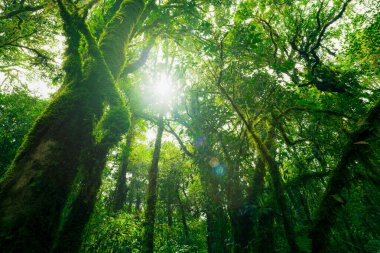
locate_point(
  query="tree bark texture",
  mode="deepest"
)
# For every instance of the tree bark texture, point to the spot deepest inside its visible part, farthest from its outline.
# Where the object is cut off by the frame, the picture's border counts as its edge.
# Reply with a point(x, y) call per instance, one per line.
point(150, 213)
point(121, 184)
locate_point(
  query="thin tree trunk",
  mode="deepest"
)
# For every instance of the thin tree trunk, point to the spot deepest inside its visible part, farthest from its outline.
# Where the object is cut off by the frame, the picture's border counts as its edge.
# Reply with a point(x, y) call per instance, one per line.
point(183, 217)
point(169, 214)
point(216, 217)
point(138, 204)
point(121, 185)
point(150, 211)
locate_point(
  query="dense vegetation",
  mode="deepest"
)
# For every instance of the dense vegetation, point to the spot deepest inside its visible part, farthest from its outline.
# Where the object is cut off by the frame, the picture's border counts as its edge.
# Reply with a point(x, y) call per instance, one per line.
point(190, 126)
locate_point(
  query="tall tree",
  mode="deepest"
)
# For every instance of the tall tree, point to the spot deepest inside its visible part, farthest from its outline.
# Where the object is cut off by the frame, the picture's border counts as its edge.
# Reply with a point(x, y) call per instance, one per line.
point(150, 211)
point(47, 163)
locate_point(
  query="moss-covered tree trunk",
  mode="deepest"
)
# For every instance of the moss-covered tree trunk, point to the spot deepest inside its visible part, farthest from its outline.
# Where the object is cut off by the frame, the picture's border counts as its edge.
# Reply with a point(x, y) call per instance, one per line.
point(240, 224)
point(69, 237)
point(183, 217)
point(215, 214)
point(265, 235)
point(150, 211)
point(120, 194)
point(34, 191)
point(251, 206)
point(240, 220)
point(357, 149)
point(273, 169)
point(107, 133)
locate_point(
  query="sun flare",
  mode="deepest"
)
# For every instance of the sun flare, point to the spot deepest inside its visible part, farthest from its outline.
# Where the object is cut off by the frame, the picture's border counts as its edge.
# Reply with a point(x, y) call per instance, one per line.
point(163, 91)
point(164, 88)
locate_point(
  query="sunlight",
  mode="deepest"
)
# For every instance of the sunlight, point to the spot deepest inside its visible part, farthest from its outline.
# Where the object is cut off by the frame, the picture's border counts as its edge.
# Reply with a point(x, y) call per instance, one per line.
point(162, 92)
point(164, 89)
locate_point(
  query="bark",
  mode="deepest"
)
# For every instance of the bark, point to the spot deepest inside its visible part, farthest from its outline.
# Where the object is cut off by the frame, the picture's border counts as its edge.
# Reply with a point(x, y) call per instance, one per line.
point(266, 243)
point(118, 32)
point(183, 218)
point(252, 204)
point(121, 185)
point(113, 124)
point(150, 213)
point(34, 189)
point(240, 220)
point(216, 230)
point(358, 148)
point(216, 220)
point(280, 197)
point(138, 204)
point(69, 237)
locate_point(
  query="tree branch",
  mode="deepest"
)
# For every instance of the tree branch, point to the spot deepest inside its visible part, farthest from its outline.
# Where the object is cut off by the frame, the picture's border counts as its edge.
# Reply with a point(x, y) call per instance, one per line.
point(324, 28)
point(132, 67)
point(38, 53)
point(183, 146)
point(22, 10)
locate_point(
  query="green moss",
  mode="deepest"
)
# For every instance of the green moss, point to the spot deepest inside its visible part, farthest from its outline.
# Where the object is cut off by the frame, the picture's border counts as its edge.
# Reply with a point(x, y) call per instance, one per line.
point(117, 34)
point(113, 124)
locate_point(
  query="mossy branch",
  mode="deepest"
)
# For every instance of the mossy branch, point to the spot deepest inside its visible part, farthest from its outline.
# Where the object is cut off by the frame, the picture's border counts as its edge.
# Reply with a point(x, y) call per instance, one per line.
point(116, 34)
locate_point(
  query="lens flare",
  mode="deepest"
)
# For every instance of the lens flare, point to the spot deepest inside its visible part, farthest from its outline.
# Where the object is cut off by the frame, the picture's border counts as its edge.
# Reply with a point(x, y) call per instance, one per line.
point(217, 168)
point(200, 141)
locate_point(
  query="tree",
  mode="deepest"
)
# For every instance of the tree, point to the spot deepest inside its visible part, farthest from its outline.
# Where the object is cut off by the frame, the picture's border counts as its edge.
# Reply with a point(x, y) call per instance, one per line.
point(49, 157)
point(271, 117)
point(150, 213)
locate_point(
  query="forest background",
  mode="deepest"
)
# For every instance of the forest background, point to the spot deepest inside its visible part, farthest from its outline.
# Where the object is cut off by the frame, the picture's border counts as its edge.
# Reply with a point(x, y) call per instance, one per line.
point(189, 126)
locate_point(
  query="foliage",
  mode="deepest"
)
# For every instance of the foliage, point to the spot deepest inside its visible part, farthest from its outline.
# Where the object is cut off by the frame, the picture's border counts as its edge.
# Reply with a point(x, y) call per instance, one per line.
point(271, 139)
point(18, 111)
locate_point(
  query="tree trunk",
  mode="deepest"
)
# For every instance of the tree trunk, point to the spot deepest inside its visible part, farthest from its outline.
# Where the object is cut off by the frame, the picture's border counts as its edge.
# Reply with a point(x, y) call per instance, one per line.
point(69, 237)
point(235, 204)
point(34, 190)
point(150, 211)
point(183, 218)
point(215, 215)
point(138, 204)
point(169, 214)
point(273, 168)
point(121, 185)
point(251, 206)
point(265, 236)
point(213, 209)
point(357, 148)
